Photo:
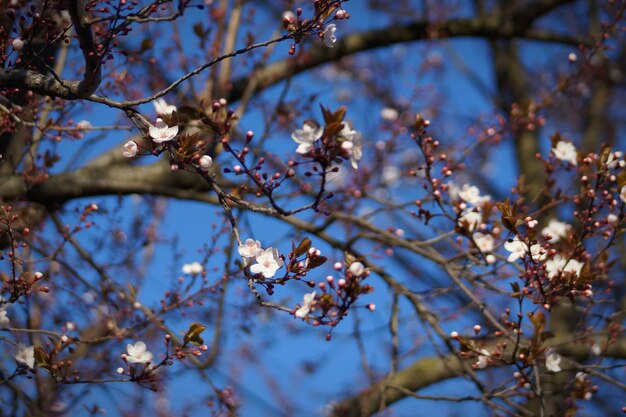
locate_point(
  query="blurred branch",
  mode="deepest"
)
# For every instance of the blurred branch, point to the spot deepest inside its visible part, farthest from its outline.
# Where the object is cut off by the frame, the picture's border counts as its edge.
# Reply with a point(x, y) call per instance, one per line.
point(427, 371)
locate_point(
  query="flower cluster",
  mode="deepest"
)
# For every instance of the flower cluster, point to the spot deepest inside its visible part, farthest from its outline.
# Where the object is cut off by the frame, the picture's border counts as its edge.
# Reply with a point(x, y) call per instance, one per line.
point(268, 261)
point(336, 139)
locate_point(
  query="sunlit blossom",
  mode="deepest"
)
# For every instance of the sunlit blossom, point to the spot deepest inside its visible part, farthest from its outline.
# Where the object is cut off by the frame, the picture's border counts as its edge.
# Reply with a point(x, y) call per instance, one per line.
point(470, 220)
point(553, 361)
point(306, 137)
point(84, 125)
point(138, 353)
point(162, 108)
point(559, 264)
point(485, 242)
point(519, 249)
point(268, 262)
point(471, 194)
point(622, 194)
point(557, 230)
point(329, 35)
point(4, 319)
point(389, 114)
point(130, 149)
point(565, 151)
point(18, 44)
point(26, 355)
point(307, 303)
point(356, 269)
point(250, 248)
point(483, 359)
point(193, 268)
point(355, 147)
point(161, 132)
point(614, 160)
point(612, 219)
point(205, 162)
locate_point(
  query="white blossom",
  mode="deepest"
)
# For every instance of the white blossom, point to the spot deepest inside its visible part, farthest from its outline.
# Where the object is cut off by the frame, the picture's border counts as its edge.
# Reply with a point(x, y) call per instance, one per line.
point(622, 194)
point(553, 361)
point(138, 353)
point(391, 175)
point(614, 159)
point(307, 302)
point(250, 248)
point(205, 162)
point(130, 149)
point(612, 219)
point(565, 151)
point(559, 264)
point(485, 242)
point(193, 268)
point(4, 319)
point(353, 144)
point(18, 44)
point(329, 35)
point(356, 269)
point(268, 262)
point(162, 108)
point(471, 194)
point(84, 125)
point(161, 132)
point(389, 114)
point(306, 137)
point(471, 220)
point(596, 349)
point(483, 359)
point(26, 355)
point(519, 249)
point(557, 230)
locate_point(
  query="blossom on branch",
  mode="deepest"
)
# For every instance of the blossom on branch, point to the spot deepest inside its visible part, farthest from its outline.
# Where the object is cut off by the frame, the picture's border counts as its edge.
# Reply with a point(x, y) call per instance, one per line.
point(556, 230)
point(353, 143)
point(268, 262)
point(138, 353)
point(471, 194)
point(306, 137)
point(565, 151)
point(4, 319)
point(520, 249)
point(559, 264)
point(194, 268)
point(356, 269)
point(553, 361)
point(18, 44)
point(162, 108)
point(389, 114)
point(205, 162)
point(329, 35)
point(470, 220)
point(130, 149)
point(307, 303)
point(250, 248)
point(26, 355)
point(483, 359)
point(161, 132)
point(484, 242)
point(84, 125)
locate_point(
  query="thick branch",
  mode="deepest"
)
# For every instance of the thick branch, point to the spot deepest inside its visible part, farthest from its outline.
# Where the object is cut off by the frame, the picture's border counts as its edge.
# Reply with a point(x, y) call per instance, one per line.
point(487, 27)
point(430, 370)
